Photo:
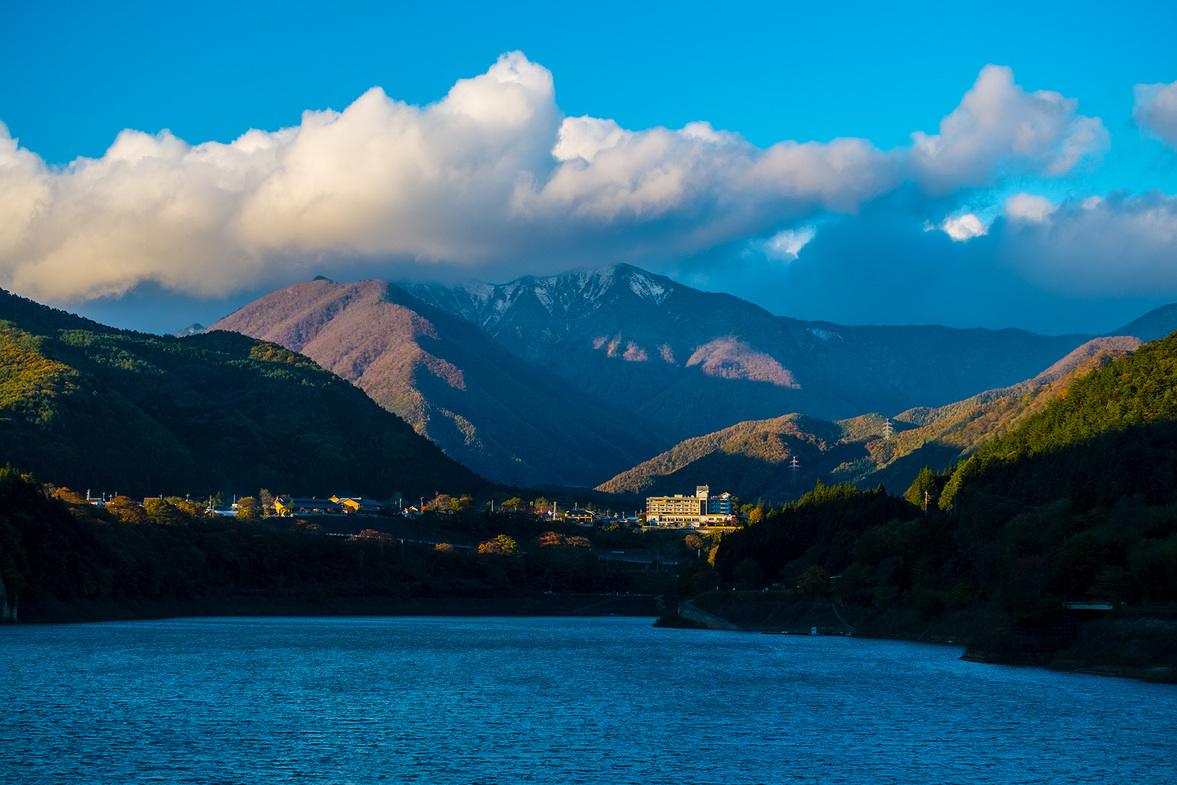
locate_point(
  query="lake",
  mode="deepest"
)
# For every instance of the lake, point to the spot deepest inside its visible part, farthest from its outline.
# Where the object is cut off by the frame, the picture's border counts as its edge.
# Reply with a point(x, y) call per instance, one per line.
point(550, 700)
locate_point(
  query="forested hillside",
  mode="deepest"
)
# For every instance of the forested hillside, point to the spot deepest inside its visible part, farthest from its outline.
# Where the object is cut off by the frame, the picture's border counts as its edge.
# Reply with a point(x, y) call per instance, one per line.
point(113, 411)
point(755, 460)
point(62, 558)
point(751, 460)
point(1078, 502)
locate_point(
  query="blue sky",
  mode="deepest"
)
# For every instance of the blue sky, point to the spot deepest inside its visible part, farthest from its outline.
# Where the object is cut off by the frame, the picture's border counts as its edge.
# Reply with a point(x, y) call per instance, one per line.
point(529, 139)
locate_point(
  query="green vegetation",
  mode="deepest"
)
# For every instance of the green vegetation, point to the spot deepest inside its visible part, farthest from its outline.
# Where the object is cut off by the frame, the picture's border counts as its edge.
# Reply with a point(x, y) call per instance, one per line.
point(1085, 493)
point(57, 550)
point(822, 531)
point(1077, 503)
point(116, 411)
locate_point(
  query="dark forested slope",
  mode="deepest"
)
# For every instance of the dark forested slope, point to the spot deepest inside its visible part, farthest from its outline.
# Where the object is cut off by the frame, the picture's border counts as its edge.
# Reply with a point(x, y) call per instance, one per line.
point(1079, 502)
point(109, 410)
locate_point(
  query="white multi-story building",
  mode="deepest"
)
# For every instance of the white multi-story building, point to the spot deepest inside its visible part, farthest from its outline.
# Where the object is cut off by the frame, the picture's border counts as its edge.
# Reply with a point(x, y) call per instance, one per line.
point(698, 510)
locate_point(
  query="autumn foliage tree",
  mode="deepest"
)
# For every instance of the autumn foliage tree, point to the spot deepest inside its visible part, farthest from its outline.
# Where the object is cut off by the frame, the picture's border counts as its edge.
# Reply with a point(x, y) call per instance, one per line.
point(248, 508)
point(500, 546)
point(127, 510)
point(163, 513)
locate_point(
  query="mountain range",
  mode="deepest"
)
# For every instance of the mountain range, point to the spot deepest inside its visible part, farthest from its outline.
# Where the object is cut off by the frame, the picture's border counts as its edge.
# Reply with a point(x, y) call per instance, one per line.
point(577, 378)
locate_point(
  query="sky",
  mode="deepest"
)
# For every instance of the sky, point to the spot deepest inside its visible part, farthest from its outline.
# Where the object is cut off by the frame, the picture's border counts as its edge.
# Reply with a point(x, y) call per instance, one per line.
point(1003, 165)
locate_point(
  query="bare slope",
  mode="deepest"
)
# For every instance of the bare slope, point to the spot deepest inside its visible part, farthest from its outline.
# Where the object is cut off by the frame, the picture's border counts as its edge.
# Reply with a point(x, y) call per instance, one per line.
point(505, 418)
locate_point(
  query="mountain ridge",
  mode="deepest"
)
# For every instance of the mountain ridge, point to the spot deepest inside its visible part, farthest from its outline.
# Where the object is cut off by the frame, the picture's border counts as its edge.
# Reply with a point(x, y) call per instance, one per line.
point(688, 343)
point(109, 409)
point(449, 380)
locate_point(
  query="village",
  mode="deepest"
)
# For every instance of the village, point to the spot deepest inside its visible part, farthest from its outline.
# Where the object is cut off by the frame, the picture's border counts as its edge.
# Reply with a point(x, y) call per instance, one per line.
point(698, 511)
point(674, 526)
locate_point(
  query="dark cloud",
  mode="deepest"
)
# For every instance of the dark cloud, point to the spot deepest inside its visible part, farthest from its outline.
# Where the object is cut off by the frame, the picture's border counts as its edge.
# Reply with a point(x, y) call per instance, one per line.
point(1087, 266)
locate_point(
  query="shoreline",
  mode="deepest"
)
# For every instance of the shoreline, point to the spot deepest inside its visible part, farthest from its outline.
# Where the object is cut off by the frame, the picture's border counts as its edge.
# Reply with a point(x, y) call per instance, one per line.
point(1121, 648)
point(1135, 647)
point(572, 605)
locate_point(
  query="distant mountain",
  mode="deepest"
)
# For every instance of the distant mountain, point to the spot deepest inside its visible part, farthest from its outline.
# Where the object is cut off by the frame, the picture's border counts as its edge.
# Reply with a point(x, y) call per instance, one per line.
point(949, 433)
point(1154, 325)
point(755, 459)
point(570, 379)
point(699, 362)
point(750, 460)
point(507, 418)
point(96, 408)
point(193, 329)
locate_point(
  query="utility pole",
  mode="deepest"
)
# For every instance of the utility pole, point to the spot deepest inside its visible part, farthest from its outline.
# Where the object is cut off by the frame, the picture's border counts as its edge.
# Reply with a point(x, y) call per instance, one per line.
point(888, 429)
point(794, 466)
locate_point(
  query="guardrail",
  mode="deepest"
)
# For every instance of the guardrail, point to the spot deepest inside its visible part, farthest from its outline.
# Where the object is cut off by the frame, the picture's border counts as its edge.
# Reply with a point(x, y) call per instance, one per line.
point(403, 540)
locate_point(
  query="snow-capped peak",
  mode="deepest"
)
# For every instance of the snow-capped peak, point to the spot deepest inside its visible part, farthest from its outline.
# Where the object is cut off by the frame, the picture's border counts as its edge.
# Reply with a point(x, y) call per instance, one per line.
point(644, 286)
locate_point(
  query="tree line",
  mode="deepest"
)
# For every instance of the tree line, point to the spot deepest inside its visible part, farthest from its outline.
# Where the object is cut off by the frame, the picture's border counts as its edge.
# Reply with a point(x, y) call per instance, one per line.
point(1079, 502)
point(55, 547)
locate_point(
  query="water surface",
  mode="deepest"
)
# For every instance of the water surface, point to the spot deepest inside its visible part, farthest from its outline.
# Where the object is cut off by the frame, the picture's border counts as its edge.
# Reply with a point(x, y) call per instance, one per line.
point(504, 700)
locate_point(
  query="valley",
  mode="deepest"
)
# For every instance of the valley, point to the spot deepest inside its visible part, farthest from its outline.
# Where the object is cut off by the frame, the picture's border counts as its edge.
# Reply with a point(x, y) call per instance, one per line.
point(944, 517)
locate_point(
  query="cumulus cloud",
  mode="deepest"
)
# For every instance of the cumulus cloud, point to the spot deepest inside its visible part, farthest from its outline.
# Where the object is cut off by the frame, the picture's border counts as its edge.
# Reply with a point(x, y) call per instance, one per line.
point(786, 244)
point(1028, 207)
point(1001, 127)
point(1155, 110)
point(669, 192)
point(584, 137)
point(963, 227)
point(491, 177)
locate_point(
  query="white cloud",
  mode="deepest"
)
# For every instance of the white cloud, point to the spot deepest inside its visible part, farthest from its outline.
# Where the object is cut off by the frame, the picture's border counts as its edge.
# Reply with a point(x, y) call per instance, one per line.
point(1155, 110)
point(1027, 207)
point(786, 244)
point(25, 186)
point(491, 175)
point(1123, 246)
point(584, 137)
point(381, 179)
point(717, 184)
point(963, 227)
point(1000, 127)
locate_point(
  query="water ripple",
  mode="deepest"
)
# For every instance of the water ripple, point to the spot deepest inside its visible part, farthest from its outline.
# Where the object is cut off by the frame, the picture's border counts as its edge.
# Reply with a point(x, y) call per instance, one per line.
point(484, 701)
